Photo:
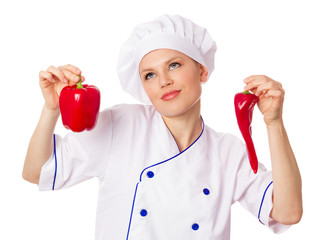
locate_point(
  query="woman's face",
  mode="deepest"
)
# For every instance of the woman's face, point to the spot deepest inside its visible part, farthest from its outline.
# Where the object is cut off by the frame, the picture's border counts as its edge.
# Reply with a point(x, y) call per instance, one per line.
point(172, 81)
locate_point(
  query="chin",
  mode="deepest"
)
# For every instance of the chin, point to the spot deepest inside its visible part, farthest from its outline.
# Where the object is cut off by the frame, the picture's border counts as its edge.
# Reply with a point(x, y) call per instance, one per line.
point(175, 110)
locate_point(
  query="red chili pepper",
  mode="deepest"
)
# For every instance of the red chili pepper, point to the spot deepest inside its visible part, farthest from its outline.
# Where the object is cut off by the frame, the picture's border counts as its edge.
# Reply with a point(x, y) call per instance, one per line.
point(79, 106)
point(244, 104)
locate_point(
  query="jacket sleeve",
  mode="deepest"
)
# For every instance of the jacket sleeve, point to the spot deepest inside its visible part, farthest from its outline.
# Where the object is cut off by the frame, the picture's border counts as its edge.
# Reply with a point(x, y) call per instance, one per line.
point(78, 156)
point(254, 191)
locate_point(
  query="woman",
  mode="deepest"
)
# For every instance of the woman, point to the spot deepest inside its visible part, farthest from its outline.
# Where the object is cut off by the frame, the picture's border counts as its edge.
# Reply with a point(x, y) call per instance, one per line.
point(163, 173)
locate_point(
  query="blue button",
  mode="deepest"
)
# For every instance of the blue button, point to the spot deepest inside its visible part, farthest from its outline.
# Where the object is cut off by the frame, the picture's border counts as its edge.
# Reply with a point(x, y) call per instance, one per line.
point(143, 212)
point(150, 174)
point(195, 226)
point(206, 191)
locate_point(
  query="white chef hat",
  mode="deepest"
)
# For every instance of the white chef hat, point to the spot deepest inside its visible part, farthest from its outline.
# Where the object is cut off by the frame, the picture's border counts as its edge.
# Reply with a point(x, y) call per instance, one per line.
point(165, 32)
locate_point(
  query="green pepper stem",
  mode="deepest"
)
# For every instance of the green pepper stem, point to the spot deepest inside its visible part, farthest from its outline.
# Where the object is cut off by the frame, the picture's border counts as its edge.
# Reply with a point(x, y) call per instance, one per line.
point(79, 85)
point(247, 92)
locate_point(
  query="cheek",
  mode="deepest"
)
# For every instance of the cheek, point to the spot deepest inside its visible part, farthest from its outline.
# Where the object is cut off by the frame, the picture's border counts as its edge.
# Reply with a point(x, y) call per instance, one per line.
point(195, 87)
point(193, 81)
point(197, 91)
point(149, 90)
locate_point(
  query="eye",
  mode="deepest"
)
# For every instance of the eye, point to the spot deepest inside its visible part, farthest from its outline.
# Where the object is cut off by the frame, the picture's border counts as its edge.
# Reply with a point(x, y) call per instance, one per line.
point(174, 65)
point(149, 76)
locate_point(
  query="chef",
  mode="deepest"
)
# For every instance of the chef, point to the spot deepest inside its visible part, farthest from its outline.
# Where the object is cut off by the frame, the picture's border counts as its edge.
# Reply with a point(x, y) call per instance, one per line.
point(163, 172)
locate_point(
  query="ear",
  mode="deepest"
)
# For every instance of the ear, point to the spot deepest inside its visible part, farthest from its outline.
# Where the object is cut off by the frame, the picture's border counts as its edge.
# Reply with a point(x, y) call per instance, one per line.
point(204, 73)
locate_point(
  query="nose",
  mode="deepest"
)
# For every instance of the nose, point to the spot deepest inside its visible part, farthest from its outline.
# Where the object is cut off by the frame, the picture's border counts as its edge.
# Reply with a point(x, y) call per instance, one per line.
point(165, 80)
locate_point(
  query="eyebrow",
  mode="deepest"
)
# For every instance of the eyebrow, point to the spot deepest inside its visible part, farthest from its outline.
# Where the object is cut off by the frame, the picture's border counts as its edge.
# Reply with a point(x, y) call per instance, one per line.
point(167, 62)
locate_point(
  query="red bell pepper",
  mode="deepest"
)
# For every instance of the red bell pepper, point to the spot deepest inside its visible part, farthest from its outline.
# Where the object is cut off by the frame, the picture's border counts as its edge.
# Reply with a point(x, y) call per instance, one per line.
point(79, 106)
point(244, 104)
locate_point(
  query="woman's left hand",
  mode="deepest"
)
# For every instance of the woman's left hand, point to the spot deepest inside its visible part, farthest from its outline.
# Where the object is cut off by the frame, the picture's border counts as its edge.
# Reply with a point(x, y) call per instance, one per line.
point(271, 96)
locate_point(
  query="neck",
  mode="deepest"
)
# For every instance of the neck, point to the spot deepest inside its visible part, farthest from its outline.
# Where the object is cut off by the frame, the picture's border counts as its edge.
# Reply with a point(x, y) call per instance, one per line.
point(185, 128)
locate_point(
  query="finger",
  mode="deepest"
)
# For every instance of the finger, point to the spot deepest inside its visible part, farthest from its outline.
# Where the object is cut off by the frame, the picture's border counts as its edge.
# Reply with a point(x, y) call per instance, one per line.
point(276, 93)
point(45, 76)
point(257, 81)
point(262, 89)
point(271, 85)
point(279, 85)
point(56, 73)
point(253, 82)
point(254, 77)
point(252, 86)
point(70, 75)
point(75, 70)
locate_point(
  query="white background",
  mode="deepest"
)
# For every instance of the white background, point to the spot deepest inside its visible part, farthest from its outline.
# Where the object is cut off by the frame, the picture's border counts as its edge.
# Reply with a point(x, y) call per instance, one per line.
point(280, 39)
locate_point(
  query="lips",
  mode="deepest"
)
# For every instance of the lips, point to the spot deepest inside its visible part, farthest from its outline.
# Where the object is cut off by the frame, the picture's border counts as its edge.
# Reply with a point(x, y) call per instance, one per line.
point(170, 95)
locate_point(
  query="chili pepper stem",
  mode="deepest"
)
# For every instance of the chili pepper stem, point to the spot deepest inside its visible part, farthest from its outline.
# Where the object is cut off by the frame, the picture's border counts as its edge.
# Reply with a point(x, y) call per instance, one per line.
point(79, 85)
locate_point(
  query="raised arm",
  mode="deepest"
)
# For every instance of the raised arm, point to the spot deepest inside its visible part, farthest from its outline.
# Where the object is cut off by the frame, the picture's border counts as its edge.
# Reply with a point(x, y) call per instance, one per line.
point(287, 194)
point(40, 146)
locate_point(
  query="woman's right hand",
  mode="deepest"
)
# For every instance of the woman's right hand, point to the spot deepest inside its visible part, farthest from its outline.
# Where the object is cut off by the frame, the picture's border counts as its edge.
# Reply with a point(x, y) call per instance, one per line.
point(54, 80)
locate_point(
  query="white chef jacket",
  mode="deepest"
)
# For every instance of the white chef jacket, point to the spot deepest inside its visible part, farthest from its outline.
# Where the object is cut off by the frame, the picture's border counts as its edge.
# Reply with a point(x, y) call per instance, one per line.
point(149, 189)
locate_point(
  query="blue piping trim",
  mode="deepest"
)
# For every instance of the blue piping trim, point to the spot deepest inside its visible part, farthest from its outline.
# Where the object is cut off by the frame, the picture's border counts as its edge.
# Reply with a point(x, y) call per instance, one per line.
point(263, 201)
point(140, 178)
point(54, 181)
point(131, 214)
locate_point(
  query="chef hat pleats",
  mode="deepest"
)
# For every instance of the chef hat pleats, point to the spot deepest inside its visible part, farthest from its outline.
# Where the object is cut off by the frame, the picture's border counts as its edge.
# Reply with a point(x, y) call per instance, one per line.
point(165, 32)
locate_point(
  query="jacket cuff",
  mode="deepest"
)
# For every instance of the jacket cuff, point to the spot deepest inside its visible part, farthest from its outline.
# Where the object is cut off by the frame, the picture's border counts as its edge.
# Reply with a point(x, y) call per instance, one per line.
point(265, 211)
point(48, 172)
